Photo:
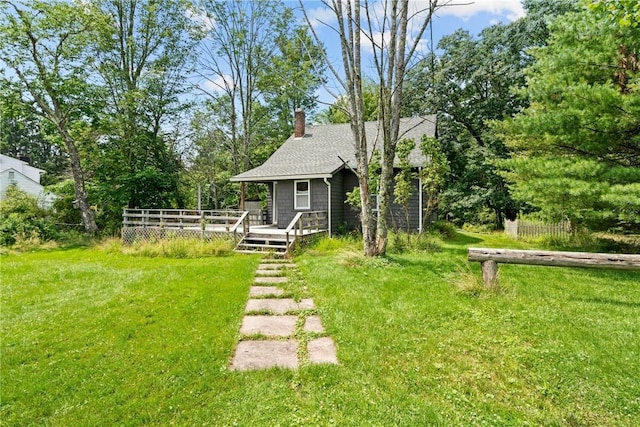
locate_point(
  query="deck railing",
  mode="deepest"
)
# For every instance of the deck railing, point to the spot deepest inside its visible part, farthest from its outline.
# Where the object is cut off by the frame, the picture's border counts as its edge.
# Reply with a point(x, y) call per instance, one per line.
point(181, 219)
point(242, 224)
point(152, 224)
point(306, 222)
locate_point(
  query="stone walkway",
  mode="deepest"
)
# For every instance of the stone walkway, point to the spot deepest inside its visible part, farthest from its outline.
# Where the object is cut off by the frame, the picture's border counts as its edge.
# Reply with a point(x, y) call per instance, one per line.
point(280, 327)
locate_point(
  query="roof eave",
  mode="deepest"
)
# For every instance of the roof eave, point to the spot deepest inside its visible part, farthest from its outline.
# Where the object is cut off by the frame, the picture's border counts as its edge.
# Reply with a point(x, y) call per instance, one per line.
point(280, 177)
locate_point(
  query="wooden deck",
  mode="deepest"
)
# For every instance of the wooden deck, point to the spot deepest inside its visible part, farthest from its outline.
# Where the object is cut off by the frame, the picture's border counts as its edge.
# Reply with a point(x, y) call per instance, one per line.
point(248, 231)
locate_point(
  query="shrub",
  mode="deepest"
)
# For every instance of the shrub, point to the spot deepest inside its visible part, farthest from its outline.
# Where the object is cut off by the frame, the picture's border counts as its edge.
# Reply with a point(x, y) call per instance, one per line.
point(444, 228)
point(425, 242)
point(65, 212)
point(399, 243)
point(22, 219)
point(428, 243)
point(481, 228)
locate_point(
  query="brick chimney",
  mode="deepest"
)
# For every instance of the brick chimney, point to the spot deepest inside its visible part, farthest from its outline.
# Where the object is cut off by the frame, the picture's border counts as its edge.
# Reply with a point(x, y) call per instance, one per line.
point(298, 129)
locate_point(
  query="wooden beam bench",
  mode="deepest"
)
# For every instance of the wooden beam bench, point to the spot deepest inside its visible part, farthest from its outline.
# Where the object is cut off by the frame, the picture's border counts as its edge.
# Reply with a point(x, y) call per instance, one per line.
point(489, 259)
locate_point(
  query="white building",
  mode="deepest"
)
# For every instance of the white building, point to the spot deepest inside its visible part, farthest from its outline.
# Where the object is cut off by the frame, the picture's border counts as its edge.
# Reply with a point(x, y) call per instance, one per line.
point(26, 178)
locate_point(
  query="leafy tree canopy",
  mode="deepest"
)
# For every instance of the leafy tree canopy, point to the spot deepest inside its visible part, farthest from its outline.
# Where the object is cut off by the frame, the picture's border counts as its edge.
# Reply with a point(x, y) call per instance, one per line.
point(470, 82)
point(577, 146)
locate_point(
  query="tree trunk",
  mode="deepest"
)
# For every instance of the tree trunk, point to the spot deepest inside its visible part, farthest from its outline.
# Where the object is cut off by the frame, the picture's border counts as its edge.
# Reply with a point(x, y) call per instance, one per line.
point(390, 58)
point(88, 217)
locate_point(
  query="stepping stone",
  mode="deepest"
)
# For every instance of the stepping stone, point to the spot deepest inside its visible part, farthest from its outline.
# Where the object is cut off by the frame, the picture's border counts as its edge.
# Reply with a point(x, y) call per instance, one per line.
point(272, 272)
point(271, 280)
point(306, 304)
point(313, 324)
point(272, 305)
point(259, 291)
point(274, 266)
point(278, 305)
point(322, 350)
point(265, 354)
point(273, 326)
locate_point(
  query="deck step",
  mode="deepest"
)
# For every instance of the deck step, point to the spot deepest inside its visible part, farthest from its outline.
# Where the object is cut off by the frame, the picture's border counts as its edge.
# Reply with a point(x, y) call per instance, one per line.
point(266, 242)
point(253, 252)
point(261, 245)
point(276, 244)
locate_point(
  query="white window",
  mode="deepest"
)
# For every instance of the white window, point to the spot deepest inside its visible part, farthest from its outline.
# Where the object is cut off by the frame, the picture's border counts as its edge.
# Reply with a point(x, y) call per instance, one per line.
point(301, 195)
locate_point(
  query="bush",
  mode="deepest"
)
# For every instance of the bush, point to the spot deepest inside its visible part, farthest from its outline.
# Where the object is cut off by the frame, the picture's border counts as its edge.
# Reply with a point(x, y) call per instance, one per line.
point(481, 228)
point(424, 242)
point(588, 242)
point(64, 211)
point(443, 228)
point(428, 243)
point(399, 242)
point(23, 220)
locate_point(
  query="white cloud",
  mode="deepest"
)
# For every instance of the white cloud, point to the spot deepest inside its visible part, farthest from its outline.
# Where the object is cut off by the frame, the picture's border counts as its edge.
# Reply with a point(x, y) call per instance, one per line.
point(465, 9)
point(321, 16)
point(217, 84)
point(200, 18)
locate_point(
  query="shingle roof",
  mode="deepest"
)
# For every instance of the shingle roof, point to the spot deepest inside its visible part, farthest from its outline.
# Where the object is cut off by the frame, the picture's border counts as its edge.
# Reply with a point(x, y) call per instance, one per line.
point(319, 152)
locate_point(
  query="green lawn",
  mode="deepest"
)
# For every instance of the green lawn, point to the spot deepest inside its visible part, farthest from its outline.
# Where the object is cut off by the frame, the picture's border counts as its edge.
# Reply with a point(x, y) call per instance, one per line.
point(97, 338)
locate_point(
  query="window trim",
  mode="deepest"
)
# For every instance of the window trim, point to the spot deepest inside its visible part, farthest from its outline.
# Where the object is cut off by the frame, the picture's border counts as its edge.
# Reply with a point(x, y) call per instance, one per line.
point(296, 194)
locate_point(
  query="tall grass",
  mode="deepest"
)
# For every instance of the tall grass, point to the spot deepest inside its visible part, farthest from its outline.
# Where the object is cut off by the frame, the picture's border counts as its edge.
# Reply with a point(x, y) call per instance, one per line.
point(170, 248)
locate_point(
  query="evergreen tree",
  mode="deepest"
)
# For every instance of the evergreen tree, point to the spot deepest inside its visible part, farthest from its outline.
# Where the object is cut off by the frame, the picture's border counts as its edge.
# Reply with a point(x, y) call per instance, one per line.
point(472, 81)
point(577, 146)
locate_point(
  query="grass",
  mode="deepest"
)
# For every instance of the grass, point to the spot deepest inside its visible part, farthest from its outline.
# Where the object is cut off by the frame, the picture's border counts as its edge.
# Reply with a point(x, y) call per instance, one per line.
point(97, 337)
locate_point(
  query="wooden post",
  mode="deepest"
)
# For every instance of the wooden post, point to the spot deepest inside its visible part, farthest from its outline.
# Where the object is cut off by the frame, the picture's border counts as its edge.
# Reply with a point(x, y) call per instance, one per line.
point(489, 273)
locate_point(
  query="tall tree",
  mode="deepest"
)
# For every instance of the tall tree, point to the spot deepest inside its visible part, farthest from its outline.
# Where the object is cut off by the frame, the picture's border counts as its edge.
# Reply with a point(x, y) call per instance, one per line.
point(578, 144)
point(470, 82)
point(143, 58)
point(25, 134)
point(248, 57)
point(386, 26)
point(290, 79)
point(210, 163)
point(338, 112)
point(45, 46)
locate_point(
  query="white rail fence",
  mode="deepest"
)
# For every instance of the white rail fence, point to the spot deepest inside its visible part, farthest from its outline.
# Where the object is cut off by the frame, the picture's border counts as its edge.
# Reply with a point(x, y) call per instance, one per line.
point(523, 229)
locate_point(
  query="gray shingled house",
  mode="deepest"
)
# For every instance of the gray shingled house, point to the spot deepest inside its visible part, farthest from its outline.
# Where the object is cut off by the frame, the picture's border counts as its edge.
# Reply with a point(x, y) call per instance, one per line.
point(308, 172)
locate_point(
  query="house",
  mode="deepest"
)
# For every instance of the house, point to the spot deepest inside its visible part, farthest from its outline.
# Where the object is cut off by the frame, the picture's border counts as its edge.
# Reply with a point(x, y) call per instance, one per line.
point(26, 178)
point(312, 171)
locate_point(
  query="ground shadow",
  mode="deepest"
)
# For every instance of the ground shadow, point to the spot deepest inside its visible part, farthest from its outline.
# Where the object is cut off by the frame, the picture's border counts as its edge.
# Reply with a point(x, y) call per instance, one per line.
point(608, 301)
point(464, 239)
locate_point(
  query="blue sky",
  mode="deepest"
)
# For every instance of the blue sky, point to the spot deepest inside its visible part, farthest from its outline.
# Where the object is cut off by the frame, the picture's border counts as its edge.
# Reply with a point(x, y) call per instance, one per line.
point(470, 15)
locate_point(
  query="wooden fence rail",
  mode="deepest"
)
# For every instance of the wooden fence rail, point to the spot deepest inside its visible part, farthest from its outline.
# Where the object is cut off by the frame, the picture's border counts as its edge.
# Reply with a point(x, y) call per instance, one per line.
point(489, 258)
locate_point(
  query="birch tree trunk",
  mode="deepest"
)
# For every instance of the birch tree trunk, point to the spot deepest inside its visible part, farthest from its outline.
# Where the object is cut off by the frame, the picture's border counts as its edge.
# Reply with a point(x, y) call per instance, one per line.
point(388, 35)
